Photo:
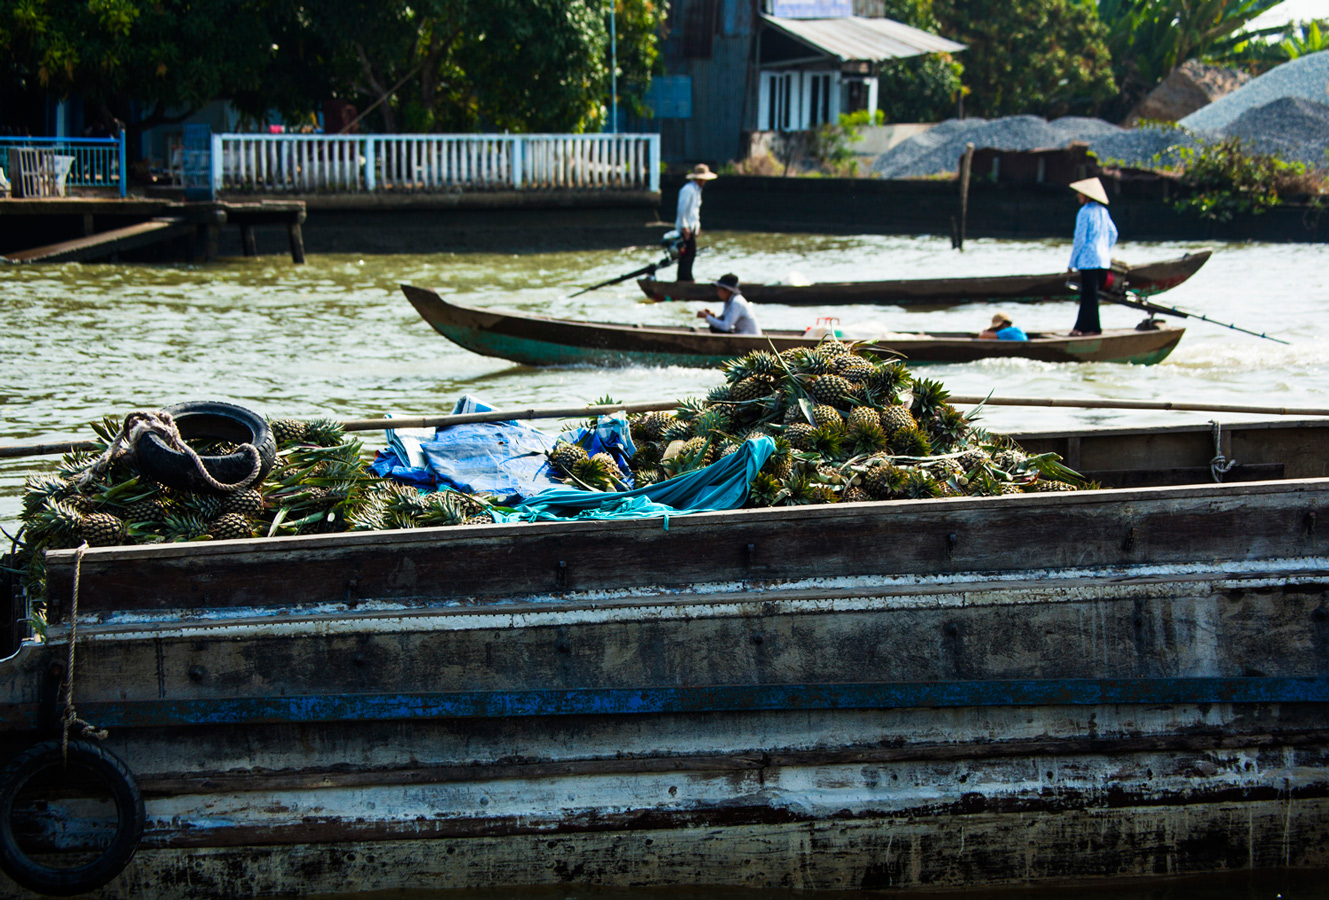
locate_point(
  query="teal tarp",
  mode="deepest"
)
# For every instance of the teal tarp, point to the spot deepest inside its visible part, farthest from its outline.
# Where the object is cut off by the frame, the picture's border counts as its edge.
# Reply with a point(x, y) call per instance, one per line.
point(721, 485)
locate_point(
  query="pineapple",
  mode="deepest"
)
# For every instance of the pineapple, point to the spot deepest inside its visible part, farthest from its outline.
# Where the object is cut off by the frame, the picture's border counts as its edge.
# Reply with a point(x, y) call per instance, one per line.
point(882, 479)
point(247, 502)
point(910, 442)
point(855, 494)
point(324, 432)
point(895, 418)
point(593, 473)
point(480, 519)
point(697, 452)
point(799, 435)
point(184, 527)
point(1053, 485)
point(919, 485)
point(230, 526)
point(861, 416)
point(752, 388)
point(831, 389)
point(565, 455)
point(710, 423)
point(656, 422)
point(824, 416)
point(720, 393)
point(288, 431)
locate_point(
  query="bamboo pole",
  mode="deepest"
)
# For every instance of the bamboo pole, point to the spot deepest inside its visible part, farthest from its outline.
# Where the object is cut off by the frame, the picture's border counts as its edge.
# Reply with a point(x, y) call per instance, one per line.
point(567, 412)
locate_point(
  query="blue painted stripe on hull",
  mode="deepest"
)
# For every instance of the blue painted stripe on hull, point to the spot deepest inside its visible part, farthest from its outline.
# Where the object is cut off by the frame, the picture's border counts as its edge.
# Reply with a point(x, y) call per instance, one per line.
point(717, 698)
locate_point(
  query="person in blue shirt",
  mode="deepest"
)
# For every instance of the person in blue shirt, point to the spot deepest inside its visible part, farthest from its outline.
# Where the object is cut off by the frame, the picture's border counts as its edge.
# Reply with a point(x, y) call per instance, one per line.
point(1001, 329)
point(1091, 254)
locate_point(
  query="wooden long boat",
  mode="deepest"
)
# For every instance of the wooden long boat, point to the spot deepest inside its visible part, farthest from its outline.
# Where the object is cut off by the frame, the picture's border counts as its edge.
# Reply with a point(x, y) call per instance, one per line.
point(1144, 280)
point(544, 341)
point(947, 693)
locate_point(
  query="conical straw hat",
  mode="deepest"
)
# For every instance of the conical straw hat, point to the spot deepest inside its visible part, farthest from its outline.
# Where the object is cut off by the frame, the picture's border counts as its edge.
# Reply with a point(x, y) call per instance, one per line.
point(1091, 188)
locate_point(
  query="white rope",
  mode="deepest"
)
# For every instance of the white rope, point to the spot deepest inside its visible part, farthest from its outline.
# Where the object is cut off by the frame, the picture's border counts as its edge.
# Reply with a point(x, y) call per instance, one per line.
point(1220, 465)
point(141, 423)
point(70, 718)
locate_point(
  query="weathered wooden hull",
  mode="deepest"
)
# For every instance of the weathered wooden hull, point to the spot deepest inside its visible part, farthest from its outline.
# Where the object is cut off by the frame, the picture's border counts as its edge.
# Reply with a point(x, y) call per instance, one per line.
point(911, 694)
point(543, 341)
point(1146, 280)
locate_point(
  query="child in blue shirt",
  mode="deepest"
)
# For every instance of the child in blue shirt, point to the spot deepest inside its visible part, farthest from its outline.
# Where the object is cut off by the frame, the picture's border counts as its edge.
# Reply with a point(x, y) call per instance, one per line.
point(1001, 329)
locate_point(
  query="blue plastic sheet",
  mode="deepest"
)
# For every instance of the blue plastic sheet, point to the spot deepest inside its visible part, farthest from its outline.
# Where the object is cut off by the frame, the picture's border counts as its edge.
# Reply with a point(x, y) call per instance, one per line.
point(721, 485)
point(506, 459)
point(613, 435)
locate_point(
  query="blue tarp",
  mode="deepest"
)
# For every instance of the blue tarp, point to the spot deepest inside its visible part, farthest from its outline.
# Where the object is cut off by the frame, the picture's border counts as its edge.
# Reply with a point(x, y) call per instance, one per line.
point(506, 459)
point(721, 485)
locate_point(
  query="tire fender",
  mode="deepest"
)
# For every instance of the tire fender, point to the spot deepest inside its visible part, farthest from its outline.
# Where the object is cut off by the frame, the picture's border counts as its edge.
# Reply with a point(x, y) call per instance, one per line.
point(119, 781)
point(208, 420)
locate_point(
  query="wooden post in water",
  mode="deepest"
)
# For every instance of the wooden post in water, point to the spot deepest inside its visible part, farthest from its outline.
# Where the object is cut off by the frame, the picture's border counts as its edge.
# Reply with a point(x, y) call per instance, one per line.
point(297, 242)
point(966, 163)
point(248, 240)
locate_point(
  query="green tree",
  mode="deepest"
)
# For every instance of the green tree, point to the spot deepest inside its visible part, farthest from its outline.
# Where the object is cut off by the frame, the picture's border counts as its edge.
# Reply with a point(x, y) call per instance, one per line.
point(173, 56)
point(921, 88)
point(1148, 39)
point(1047, 57)
point(639, 25)
point(465, 65)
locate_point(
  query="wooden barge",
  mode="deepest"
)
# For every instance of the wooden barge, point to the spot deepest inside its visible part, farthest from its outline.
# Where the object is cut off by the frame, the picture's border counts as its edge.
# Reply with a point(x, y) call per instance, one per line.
point(945, 693)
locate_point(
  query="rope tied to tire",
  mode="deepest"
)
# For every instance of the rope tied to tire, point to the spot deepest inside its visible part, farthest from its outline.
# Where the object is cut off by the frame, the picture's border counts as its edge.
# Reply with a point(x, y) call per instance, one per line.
point(141, 423)
point(70, 717)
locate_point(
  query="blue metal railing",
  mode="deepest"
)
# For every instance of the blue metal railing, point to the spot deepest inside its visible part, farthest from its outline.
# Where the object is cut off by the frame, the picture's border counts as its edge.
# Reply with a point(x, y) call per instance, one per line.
point(93, 162)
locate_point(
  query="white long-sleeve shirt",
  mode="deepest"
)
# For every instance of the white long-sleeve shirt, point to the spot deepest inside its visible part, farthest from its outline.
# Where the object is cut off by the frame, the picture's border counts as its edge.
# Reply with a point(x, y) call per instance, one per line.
point(689, 207)
point(736, 318)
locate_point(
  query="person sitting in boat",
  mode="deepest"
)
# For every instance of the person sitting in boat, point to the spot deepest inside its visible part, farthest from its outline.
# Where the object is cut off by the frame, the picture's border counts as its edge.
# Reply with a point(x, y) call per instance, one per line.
point(688, 219)
point(737, 317)
point(1002, 329)
point(1091, 254)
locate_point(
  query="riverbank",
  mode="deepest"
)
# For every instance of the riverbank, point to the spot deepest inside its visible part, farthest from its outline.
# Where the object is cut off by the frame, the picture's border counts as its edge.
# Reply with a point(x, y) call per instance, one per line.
point(565, 221)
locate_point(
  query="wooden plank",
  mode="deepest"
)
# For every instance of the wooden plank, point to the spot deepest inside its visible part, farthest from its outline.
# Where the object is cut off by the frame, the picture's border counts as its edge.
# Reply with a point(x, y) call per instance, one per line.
point(106, 243)
point(1170, 525)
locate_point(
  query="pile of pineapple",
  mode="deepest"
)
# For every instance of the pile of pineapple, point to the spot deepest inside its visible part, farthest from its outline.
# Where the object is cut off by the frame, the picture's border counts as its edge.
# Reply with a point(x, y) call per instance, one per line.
point(320, 483)
point(846, 425)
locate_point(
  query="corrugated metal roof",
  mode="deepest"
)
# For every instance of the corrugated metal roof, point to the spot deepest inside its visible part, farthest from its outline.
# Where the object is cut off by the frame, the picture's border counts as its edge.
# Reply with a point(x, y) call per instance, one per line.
point(852, 38)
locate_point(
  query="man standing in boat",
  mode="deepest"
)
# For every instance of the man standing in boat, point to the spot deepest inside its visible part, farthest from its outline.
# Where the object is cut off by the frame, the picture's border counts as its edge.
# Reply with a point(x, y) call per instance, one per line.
point(688, 219)
point(736, 317)
point(1091, 253)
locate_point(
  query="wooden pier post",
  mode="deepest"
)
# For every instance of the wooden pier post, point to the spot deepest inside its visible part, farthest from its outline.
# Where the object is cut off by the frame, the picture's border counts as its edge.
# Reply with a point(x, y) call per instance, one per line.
point(297, 241)
point(248, 240)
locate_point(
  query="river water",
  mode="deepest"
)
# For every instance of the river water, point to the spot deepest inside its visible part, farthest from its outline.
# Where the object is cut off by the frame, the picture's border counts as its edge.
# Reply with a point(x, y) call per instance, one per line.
point(336, 337)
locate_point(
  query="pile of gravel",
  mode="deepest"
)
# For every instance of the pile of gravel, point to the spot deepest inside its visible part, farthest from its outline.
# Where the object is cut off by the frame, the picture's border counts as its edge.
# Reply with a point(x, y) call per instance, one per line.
point(1306, 77)
point(939, 149)
point(1294, 128)
point(1150, 147)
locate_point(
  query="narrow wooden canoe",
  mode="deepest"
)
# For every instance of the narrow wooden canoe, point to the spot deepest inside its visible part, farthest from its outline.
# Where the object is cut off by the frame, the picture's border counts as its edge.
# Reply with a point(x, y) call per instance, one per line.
point(545, 341)
point(1151, 278)
point(957, 693)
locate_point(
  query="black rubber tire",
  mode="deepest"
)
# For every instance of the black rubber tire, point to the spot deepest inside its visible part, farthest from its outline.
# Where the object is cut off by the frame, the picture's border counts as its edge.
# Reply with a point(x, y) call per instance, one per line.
point(59, 882)
point(208, 420)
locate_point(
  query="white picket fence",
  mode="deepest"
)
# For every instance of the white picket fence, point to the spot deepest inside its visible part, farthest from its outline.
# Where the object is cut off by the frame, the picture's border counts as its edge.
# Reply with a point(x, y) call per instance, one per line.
point(424, 163)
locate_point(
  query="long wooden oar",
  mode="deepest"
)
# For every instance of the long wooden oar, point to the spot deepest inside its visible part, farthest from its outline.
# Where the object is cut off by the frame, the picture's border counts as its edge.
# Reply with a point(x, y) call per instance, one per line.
point(567, 412)
point(1137, 302)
